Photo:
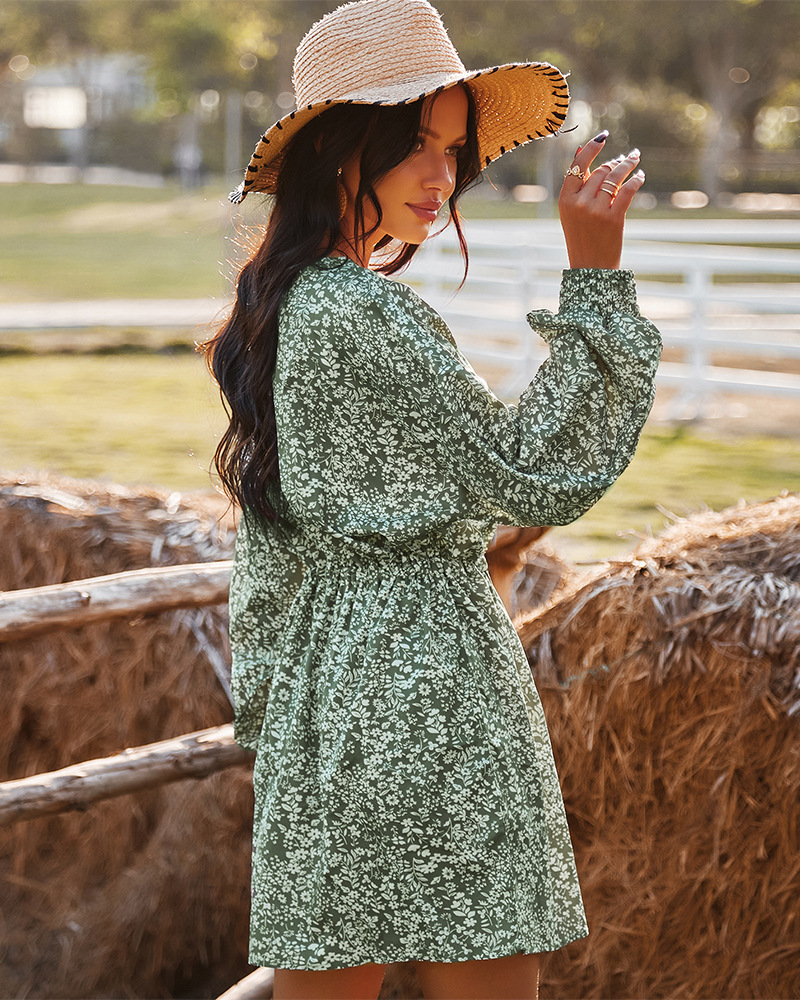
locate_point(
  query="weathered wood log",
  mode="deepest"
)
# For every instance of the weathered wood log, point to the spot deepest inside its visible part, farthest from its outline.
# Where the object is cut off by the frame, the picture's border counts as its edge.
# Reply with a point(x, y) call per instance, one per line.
point(25, 613)
point(195, 755)
point(257, 986)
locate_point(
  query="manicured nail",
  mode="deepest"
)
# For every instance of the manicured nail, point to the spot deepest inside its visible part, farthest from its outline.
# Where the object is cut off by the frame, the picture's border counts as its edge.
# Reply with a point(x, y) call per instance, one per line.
point(634, 154)
point(578, 150)
point(639, 174)
point(602, 137)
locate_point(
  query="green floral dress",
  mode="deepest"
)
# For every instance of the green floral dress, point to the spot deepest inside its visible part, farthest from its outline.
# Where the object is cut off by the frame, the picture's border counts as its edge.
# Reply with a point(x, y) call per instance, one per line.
point(406, 800)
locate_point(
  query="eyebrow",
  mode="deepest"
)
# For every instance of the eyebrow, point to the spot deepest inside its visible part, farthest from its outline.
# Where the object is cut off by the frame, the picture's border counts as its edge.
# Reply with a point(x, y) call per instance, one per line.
point(435, 135)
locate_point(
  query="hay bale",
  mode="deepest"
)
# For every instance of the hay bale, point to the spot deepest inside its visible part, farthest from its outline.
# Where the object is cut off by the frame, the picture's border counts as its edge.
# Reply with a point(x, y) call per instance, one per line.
point(145, 895)
point(671, 683)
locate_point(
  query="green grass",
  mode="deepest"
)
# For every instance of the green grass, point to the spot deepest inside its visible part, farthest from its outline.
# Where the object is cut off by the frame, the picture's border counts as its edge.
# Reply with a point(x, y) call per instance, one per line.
point(74, 242)
point(139, 419)
point(155, 419)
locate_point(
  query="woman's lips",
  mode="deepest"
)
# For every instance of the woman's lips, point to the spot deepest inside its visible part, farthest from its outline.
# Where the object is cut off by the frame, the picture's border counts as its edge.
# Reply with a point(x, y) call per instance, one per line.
point(427, 210)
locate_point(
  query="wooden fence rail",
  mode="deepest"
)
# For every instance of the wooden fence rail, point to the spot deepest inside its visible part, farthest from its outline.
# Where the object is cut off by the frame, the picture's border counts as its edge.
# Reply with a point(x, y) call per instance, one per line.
point(25, 613)
point(195, 755)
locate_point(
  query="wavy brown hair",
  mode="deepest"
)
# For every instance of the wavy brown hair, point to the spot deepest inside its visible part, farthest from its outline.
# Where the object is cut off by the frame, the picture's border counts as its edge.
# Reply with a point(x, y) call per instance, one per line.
point(304, 227)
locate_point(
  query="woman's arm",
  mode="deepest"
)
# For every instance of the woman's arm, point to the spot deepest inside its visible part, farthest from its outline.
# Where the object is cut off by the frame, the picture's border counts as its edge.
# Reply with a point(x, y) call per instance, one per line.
point(266, 576)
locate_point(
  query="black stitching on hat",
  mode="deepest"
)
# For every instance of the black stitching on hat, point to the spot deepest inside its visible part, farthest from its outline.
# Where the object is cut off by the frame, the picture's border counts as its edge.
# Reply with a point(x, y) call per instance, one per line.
point(540, 135)
point(516, 143)
point(530, 137)
point(292, 115)
point(329, 101)
point(252, 168)
point(502, 150)
point(250, 181)
point(557, 114)
point(488, 160)
point(258, 156)
point(278, 125)
point(494, 70)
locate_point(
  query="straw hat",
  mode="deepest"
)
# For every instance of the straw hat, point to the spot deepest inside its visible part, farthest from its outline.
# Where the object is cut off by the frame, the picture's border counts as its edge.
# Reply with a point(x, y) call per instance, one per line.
point(396, 51)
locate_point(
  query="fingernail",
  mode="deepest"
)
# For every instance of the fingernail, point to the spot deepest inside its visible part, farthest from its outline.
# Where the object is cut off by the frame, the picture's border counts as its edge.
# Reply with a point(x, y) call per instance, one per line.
point(601, 138)
point(578, 150)
point(634, 154)
point(639, 173)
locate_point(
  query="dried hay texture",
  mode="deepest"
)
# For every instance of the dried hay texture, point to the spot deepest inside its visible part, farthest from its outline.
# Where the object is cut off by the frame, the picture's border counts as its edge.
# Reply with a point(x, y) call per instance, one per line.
point(148, 894)
point(671, 684)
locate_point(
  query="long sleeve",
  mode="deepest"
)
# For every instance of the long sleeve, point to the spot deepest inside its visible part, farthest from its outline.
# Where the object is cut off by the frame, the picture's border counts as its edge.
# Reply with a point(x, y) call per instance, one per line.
point(399, 435)
point(265, 578)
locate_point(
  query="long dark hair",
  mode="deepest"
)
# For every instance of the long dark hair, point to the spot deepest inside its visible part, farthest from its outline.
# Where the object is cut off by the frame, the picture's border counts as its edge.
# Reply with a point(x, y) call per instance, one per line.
point(304, 227)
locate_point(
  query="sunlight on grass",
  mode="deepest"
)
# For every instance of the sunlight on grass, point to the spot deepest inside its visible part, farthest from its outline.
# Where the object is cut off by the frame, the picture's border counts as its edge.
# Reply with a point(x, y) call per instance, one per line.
point(73, 242)
point(145, 419)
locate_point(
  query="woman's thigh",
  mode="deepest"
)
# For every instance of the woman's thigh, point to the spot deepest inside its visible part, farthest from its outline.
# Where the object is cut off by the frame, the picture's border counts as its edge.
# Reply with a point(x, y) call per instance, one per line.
point(359, 982)
point(513, 977)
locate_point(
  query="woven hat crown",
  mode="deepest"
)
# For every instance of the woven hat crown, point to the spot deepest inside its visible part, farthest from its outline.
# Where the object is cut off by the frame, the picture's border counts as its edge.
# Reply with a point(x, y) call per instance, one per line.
point(365, 50)
point(383, 52)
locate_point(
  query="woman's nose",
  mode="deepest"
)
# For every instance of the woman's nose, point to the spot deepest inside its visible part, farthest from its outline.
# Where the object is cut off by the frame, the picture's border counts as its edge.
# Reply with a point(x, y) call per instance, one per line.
point(441, 174)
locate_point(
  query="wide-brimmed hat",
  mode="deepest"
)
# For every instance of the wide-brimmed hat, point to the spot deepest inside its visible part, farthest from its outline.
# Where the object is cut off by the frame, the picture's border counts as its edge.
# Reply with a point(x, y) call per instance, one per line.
point(398, 51)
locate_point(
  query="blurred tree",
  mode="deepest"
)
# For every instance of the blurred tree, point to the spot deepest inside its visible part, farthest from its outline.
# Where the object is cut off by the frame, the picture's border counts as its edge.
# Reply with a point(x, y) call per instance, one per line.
point(725, 59)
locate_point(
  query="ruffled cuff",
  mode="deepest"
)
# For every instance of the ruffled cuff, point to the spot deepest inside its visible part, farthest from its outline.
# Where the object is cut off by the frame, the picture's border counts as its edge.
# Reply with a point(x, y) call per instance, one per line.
point(589, 296)
point(605, 291)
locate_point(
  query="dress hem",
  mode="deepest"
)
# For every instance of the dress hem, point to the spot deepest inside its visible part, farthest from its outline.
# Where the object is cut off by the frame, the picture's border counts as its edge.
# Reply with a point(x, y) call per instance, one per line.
point(389, 958)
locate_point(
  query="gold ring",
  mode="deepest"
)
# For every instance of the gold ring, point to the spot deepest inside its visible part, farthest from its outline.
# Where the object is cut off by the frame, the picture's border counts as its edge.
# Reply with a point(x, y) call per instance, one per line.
point(609, 188)
point(575, 171)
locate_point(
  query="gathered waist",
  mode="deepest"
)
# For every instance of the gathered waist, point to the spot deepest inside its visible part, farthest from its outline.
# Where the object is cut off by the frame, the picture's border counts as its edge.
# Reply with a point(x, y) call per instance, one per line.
point(325, 548)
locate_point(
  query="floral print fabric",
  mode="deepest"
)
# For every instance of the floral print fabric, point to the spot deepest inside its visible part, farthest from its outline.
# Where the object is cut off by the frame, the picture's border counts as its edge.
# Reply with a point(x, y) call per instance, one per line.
point(407, 804)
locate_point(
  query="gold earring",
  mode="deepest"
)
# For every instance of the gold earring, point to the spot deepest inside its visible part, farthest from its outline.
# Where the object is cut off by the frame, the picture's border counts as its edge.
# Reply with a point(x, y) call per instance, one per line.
point(342, 193)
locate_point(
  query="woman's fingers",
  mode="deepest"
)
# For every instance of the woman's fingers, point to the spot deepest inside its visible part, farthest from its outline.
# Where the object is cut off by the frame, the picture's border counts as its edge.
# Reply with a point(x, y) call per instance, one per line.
point(628, 189)
point(582, 161)
point(610, 175)
point(593, 204)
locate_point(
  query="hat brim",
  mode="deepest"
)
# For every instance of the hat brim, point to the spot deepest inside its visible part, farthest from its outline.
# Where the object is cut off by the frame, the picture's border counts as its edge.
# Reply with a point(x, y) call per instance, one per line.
point(515, 103)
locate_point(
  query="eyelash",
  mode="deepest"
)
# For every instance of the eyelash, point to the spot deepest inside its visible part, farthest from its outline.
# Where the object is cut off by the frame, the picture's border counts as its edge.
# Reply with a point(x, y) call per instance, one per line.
point(418, 145)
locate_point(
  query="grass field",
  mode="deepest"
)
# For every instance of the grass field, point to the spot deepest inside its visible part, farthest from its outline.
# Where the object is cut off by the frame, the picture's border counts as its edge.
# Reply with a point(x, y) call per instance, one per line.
point(75, 242)
point(155, 418)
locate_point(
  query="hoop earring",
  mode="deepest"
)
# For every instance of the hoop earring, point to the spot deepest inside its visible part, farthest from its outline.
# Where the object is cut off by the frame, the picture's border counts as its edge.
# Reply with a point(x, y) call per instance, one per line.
point(342, 193)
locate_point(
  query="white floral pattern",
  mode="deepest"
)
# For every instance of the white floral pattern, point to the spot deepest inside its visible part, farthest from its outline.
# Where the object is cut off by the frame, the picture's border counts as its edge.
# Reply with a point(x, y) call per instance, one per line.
point(406, 800)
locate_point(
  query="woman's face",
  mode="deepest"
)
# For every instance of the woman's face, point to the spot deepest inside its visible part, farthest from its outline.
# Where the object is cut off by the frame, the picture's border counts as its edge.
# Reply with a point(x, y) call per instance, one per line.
point(412, 193)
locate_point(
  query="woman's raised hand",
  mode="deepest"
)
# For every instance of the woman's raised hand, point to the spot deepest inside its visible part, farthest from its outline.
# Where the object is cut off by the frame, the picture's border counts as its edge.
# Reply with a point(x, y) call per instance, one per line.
point(593, 203)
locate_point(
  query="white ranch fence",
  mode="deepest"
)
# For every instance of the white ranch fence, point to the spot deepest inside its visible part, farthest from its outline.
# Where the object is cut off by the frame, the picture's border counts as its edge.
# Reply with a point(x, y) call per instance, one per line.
point(718, 304)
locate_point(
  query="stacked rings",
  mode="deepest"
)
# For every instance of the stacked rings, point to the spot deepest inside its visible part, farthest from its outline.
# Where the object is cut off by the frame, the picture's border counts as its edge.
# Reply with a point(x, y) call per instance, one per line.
point(575, 171)
point(609, 188)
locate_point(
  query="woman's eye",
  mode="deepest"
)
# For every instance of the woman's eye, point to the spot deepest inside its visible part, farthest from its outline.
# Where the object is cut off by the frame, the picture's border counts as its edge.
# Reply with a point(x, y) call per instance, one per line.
point(454, 150)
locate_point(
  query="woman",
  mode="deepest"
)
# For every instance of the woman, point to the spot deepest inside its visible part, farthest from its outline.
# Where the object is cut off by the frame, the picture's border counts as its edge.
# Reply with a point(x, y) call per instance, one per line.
point(406, 801)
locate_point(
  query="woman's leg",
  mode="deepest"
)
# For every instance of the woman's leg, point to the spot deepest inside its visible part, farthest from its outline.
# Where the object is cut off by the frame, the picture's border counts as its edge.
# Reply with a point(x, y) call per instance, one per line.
point(359, 982)
point(513, 977)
